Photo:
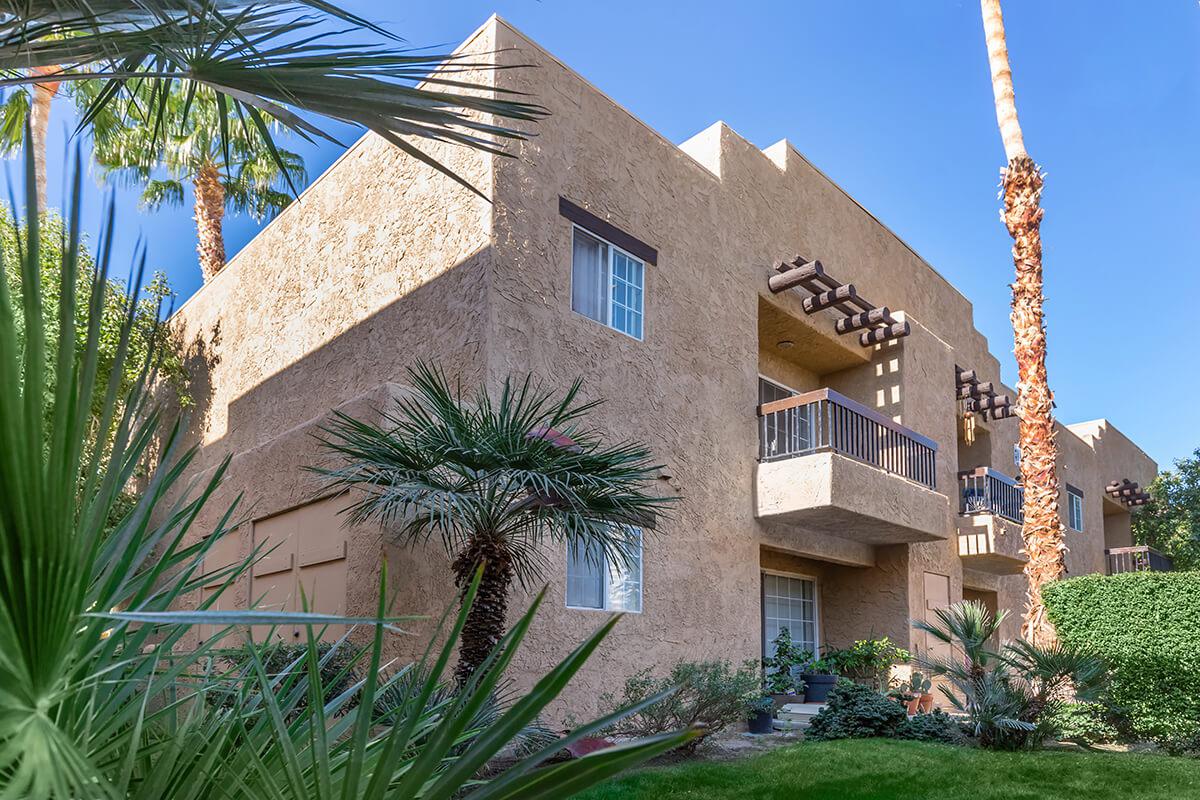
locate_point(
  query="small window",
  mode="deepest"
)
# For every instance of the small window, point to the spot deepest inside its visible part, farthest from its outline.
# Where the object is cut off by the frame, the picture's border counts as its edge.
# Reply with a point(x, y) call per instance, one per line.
point(1074, 508)
point(607, 284)
point(606, 584)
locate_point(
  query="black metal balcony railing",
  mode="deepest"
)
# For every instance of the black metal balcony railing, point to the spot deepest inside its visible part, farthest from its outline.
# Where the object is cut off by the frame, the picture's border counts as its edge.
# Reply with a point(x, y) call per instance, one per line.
point(986, 491)
point(825, 420)
point(1136, 559)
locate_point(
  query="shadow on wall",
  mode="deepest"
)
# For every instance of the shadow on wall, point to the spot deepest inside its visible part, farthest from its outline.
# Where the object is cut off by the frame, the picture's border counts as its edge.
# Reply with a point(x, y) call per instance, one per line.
point(269, 428)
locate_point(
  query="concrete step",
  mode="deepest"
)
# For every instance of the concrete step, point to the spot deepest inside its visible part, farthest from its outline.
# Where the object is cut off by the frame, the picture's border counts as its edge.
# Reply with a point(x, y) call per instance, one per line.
point(796, 716)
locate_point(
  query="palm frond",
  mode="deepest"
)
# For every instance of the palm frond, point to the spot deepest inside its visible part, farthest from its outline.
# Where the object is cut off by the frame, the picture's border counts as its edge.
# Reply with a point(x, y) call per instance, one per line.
point(270, 61)
point(449, 466)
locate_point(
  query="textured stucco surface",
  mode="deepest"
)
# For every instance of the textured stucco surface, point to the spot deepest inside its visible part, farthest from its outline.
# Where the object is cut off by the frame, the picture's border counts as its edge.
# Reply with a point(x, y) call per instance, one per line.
point(383, 262)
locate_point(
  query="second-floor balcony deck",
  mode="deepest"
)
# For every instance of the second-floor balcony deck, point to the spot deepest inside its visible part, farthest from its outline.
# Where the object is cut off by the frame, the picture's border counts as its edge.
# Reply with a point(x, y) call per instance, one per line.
point(834, 465)
point(989, 525)
point(1136, 559)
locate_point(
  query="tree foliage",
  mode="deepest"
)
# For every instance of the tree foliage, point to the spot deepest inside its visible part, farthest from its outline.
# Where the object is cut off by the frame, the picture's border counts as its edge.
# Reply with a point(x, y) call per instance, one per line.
point(1170, 523)
point(163, 148)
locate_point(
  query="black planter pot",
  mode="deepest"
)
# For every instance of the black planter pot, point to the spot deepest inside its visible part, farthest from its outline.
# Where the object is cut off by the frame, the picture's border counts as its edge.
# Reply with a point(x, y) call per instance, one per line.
point(817, 687)
point(762, 722)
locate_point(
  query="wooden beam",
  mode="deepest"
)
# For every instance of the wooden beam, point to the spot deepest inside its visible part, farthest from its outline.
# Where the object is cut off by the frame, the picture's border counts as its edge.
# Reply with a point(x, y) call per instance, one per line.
point(879, 335)
point(824, 300)
point(967, 376)
point(793, 276)
point(865, 319)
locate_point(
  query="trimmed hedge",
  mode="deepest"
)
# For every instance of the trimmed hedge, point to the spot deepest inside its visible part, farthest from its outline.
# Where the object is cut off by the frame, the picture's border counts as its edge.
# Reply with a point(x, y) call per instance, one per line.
point(1146, 625)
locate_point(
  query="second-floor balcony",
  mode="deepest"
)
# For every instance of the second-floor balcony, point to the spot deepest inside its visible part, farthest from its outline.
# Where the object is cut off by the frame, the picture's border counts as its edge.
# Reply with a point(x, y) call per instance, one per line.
point(834, 465)
point(989, 524)
point(1136, 559)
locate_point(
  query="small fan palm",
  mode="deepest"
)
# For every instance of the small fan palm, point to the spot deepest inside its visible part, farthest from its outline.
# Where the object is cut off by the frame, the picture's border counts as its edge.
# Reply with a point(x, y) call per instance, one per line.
point(226, 166)
point(495, 481)
point(1004, 692)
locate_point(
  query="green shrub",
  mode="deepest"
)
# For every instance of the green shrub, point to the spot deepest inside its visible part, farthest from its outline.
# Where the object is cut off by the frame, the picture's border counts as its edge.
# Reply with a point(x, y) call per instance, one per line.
point(710, 693)
point(337, 669)
point(854, 711)
point(1091, 723)
point(1146, 626)
point(869, 661)
point(936, 726)
point(781, 671)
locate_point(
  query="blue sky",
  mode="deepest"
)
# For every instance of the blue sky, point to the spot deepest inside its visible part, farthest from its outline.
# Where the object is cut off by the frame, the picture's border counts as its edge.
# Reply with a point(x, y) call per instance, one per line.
point(893, 101)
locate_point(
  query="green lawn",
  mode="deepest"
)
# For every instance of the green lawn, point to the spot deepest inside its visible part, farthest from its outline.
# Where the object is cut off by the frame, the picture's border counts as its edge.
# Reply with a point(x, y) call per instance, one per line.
point(879, 768)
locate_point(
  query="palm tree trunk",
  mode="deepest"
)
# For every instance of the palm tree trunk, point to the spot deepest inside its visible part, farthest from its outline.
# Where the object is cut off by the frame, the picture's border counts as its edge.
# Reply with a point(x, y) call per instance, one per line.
point(39, 126)
point(487, 618)
point(1021, 183)
point(210, 210)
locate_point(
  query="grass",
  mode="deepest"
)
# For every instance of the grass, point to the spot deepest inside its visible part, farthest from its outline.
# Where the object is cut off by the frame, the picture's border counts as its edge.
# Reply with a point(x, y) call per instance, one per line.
point(878, 768)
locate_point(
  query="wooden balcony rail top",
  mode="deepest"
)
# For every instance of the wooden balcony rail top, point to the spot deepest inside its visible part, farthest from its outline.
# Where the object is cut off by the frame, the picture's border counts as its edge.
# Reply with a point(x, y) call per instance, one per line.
point(837, 398)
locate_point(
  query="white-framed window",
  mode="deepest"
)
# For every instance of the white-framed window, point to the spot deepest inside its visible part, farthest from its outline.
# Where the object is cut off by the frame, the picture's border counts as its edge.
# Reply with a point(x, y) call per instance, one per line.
point(1074, 508)
point(790, 602)
point(607, 284)
point(595, 581)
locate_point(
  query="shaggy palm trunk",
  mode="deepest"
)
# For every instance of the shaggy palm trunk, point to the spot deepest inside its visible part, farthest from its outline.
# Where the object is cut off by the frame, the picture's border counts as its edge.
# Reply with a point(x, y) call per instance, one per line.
point(210, 211)
point(486, 620)
point(1021, 184)
point(39, 126)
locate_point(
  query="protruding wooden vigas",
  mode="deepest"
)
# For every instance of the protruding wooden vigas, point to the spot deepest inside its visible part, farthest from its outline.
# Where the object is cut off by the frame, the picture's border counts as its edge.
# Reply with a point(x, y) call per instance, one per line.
point(980, 396)
point(859, 314)
point(1127, 492)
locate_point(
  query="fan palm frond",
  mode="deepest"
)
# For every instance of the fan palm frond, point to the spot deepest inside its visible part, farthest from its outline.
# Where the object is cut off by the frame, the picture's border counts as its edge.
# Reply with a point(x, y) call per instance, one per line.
point(267, 61)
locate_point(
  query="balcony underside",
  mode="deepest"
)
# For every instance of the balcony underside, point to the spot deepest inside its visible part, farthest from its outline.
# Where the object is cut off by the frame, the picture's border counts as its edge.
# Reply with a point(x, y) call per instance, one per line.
point(991, 543)
point(840, 496)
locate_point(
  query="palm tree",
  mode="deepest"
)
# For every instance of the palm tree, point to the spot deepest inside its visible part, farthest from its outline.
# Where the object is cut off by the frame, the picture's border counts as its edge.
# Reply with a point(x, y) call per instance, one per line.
point(1021, 184)
point(495, 481)
point(18, 110)
point(280, 60)
point(1006, 692)
point(242, 171)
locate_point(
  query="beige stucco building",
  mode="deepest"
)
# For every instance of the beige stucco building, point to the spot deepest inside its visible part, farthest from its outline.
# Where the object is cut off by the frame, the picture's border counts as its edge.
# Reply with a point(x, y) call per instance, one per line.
point(840, 516)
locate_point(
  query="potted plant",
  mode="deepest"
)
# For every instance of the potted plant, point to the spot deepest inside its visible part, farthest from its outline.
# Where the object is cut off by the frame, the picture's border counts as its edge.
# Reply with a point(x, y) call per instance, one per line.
point(781, 670)
point(761, 714)
point(820, 675)
point(920, 698)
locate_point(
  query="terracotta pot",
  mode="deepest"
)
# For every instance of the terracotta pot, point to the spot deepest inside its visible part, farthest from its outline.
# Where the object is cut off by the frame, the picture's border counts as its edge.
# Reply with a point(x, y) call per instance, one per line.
point(914, 705)
point(926, 704)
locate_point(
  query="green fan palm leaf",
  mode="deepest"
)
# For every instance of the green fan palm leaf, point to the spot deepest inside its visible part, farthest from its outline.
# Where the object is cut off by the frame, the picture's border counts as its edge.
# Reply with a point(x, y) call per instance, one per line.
point(269, 61)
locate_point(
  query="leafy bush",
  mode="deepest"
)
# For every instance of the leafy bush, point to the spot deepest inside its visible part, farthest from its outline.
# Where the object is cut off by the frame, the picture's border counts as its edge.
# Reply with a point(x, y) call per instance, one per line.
point(868, 661)
point(1146, 626)
point(936, 726)
point(781, 671)
point(1090, 723)
point(854, 711)
point(335, 664)
point(710, 693)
